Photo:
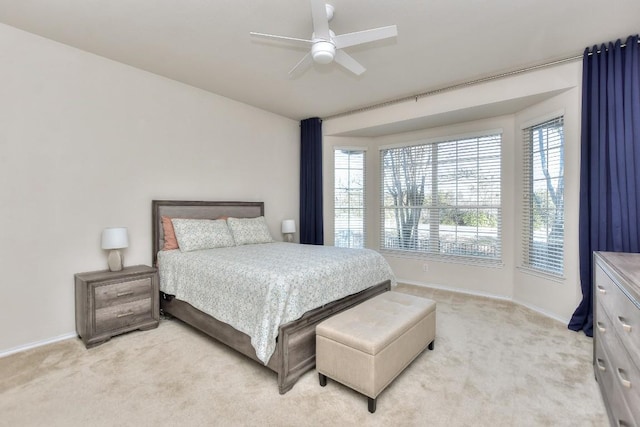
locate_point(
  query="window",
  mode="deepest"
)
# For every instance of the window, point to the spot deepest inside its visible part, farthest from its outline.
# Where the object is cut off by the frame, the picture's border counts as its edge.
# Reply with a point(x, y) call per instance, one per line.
point(349, 206)
point(543, 210)
point(443, 198)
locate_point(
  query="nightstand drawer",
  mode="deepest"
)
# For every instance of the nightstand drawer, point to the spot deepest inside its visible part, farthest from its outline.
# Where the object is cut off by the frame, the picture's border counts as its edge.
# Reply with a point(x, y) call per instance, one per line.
point(122, 292)
point(119, 316)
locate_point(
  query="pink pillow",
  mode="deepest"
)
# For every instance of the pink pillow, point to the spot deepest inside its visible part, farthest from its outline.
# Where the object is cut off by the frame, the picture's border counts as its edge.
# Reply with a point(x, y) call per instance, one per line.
point(170, 241)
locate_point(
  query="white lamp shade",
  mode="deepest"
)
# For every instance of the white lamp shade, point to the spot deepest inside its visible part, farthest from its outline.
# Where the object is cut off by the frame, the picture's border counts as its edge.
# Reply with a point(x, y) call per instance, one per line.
point(115, 238)
point(288, 226)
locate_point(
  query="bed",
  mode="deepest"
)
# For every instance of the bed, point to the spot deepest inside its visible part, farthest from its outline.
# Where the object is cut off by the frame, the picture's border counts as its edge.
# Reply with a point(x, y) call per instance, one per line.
point(294, 348)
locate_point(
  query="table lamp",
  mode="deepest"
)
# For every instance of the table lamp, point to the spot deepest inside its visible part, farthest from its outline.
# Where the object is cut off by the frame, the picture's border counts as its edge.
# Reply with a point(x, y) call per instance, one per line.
point(115, 238)
point(288, 228)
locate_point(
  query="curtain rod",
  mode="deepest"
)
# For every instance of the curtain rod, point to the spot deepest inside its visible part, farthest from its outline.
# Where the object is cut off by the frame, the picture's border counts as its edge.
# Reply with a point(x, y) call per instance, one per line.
point(452, 87)
point(461, 85)
point(606, 48)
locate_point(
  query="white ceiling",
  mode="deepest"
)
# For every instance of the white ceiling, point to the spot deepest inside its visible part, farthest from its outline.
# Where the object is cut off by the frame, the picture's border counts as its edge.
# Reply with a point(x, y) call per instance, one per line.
point(206, 43)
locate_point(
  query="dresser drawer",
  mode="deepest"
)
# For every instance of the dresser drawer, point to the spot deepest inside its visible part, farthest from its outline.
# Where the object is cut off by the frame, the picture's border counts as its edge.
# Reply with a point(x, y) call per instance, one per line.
point(623, 313)
point(607, 292)
point(120, 316)
point(619, 413)
point(623, 371)
point(122, 292)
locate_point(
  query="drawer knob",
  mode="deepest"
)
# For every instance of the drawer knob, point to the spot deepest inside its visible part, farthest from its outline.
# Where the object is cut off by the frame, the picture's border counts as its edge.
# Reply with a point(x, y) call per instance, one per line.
point(129, 313)
point(602, 290)
point(625, 382)
point(600, 365)
point(625, 326)
point(601, 327)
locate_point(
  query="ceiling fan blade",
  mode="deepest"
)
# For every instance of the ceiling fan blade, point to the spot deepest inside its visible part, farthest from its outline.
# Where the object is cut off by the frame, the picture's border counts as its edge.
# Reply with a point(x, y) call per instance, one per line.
point(349, 63)
point(366, 36)
point(301, 66)
point(289, 40)
point(320, 20)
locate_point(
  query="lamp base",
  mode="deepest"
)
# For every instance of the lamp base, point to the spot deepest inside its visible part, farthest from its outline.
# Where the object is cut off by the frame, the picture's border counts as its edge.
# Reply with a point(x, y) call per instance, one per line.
point(289, 237)
point(115, 260)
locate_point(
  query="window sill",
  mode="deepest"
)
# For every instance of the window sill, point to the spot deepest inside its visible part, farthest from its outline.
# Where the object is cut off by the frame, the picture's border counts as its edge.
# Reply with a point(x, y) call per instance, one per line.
point(475, 262)
point(541, 274)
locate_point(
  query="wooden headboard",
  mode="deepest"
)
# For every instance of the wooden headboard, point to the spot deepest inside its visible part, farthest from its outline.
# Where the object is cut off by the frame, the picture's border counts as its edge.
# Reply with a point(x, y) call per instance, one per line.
point(198, 210)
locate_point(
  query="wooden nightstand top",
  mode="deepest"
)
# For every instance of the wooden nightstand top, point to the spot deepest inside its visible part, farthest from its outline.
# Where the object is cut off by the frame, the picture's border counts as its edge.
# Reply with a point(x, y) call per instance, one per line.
point(94, 276)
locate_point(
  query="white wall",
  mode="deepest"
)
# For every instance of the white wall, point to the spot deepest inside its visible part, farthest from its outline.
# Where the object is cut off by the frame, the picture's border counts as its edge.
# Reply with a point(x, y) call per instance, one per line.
point(87, 143)
point(505, 104)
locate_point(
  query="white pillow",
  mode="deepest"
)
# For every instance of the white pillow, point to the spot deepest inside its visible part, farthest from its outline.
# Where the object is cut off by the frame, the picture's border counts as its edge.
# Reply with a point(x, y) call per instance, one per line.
point(195, 234)
point(248, 231)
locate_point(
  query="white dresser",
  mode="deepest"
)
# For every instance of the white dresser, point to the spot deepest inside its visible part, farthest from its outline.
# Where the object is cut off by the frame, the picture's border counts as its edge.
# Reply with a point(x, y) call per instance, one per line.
point(616, 350)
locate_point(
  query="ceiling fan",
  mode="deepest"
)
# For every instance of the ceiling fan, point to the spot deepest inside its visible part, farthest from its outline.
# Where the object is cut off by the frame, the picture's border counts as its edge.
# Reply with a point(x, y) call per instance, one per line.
point(326, 47)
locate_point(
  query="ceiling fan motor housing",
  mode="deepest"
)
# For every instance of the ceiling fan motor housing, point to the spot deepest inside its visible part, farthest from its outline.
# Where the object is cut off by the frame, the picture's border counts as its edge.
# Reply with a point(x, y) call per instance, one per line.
point(323, 52)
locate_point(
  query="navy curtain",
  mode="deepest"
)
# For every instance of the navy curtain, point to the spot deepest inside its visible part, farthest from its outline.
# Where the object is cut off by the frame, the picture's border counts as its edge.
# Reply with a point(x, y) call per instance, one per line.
point(311, 228)
point(610, 161)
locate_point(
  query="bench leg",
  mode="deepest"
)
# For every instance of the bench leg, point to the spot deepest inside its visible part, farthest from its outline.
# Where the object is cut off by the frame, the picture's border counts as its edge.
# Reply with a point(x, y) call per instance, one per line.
point(323, 379)
point(431, 345)
point(372, 404)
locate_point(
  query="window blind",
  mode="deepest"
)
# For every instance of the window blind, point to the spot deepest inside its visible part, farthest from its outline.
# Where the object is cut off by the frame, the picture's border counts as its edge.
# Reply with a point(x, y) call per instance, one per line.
point(543, 197)
point(443, 198)
point(349, 198)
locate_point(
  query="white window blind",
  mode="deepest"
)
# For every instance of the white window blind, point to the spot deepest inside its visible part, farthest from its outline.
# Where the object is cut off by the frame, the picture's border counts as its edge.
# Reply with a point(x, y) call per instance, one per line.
point(349, 192)
point(443, 198)
point(543, 201)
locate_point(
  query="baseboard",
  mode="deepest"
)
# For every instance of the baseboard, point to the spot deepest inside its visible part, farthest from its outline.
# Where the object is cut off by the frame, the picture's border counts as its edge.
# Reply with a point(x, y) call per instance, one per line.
point(408, 282)
point(541, 311)
point(29, 346)
point(487, 295)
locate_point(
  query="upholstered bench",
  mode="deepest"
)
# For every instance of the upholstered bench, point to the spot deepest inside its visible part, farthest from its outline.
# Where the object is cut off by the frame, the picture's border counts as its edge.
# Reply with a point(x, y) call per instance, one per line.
point(369, 345)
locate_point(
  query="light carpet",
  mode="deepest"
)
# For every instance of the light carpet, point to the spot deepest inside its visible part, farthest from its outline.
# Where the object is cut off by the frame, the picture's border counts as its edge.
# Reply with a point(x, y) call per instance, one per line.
point(495, 363)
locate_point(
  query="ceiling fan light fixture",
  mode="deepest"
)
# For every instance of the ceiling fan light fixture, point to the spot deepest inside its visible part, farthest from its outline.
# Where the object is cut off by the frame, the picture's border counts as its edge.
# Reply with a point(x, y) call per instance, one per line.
point(323, 52)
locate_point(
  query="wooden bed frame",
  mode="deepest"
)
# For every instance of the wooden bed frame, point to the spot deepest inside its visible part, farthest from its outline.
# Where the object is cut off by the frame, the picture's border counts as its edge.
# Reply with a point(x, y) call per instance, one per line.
point(295, 351)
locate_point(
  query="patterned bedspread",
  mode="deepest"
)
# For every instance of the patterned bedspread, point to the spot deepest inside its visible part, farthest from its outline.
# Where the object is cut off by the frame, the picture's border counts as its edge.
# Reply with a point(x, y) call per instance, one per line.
point(256, 288)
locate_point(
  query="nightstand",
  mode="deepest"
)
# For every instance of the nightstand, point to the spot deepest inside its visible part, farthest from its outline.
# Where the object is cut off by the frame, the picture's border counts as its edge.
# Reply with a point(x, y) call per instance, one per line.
point(109, 303)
